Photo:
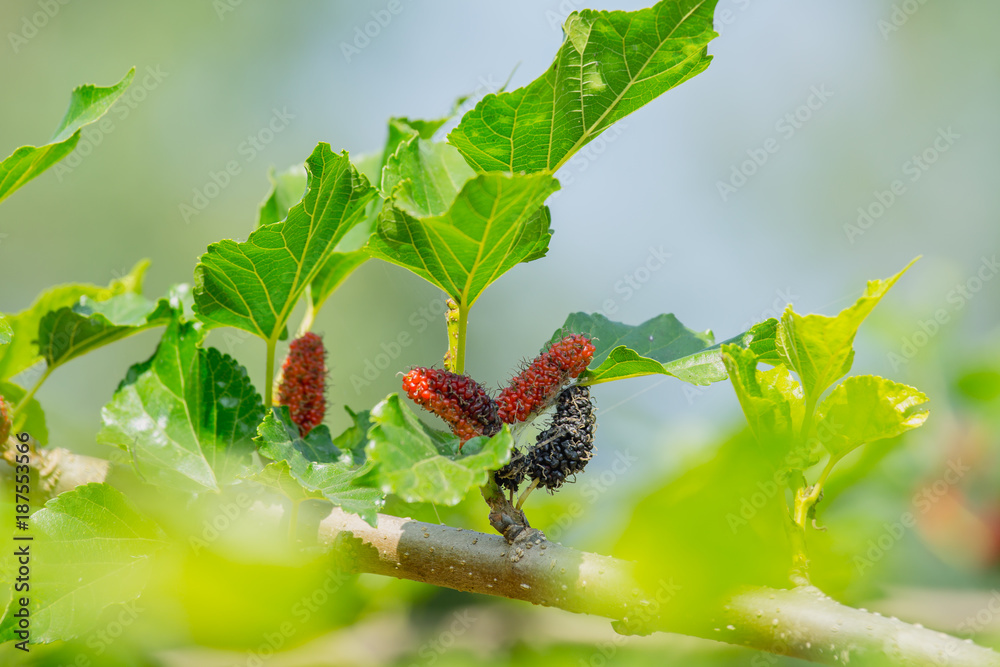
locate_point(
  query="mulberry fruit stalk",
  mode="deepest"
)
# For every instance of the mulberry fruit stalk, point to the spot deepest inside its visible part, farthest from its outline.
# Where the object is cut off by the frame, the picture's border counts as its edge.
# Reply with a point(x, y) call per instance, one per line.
point(303, 382)
point(537, 386)
point(458, 399)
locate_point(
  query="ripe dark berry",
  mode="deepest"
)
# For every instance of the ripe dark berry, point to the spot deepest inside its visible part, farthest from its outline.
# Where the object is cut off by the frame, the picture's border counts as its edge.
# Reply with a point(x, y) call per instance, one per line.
point(511, 475)
point(303, 382)
point(5, 421)
point(457, 399)
point(537, 386)
point(565, 447)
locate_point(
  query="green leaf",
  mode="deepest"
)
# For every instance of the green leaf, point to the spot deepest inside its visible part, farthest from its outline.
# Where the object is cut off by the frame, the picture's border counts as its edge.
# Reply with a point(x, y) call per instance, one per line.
point(22, 352)
point(6, 333)
point(287, 189)
point(772, 402)
point(187, 415)
point(32, 417)
point(72, 331)
point(659, 346)
point(255, 285)
point(866, 408)
point(92, 549)
point(355, 437)
point(315, 464)
point(406, 130)
point(821, 348)
point(86, 105)
point(609, 65)
point(420, 464)
point(431, 173)
point(495, 222)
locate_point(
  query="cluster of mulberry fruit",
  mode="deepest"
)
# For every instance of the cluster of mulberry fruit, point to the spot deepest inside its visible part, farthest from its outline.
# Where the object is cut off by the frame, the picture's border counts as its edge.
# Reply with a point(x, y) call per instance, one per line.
point(561, 450)
point(536, 387)
point(457, 399)
point(303, 382)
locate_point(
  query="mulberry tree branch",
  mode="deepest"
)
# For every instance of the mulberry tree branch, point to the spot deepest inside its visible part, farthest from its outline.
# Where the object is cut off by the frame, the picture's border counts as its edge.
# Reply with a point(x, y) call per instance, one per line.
point(800, 622)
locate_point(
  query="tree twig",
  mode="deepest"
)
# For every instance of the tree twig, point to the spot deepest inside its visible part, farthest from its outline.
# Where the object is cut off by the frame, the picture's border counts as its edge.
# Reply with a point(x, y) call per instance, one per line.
point(800, 622)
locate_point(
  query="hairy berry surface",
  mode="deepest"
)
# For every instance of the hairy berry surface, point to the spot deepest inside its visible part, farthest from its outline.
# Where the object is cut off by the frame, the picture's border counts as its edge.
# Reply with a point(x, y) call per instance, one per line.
point(565, 447)
point(537, 386)
point(511, 475)
point(303, 382)
point(458, 399)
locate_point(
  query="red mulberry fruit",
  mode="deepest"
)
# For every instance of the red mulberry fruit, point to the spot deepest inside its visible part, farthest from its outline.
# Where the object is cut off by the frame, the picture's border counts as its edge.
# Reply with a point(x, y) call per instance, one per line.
point(565, 447)
point(303, 382)
point(458, 399)
point(5, 422)
point(537, 386)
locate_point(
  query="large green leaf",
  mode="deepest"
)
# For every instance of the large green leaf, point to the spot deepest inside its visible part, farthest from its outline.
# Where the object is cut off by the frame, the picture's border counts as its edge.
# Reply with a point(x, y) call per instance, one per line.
point(431, 173)
point(6, 333)
point(772, 402)
point(609, 65)
point(659, 346)
point(187, 415)
point(72, 331)
point(420, 464)
point(86, 105)
point(287, 189)
point(256, 284)
point(821, 348)
point(866, 408)
point(495, 222)
point(92, 549)
point(22, 352)
point(316, 466)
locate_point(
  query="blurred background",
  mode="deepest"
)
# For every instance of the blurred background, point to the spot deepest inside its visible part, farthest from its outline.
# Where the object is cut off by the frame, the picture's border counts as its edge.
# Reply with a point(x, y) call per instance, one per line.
point(768, 179)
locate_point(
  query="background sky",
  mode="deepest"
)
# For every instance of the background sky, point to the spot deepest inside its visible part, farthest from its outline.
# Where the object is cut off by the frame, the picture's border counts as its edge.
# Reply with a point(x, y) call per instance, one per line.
point(834, 100)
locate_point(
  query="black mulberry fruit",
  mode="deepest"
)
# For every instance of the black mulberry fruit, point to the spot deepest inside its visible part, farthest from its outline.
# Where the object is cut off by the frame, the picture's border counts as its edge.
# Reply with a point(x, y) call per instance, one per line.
point(565, 447)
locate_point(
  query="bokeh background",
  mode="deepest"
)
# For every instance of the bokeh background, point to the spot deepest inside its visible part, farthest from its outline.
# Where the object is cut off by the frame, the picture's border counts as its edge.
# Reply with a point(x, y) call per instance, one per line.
point(885, 81)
